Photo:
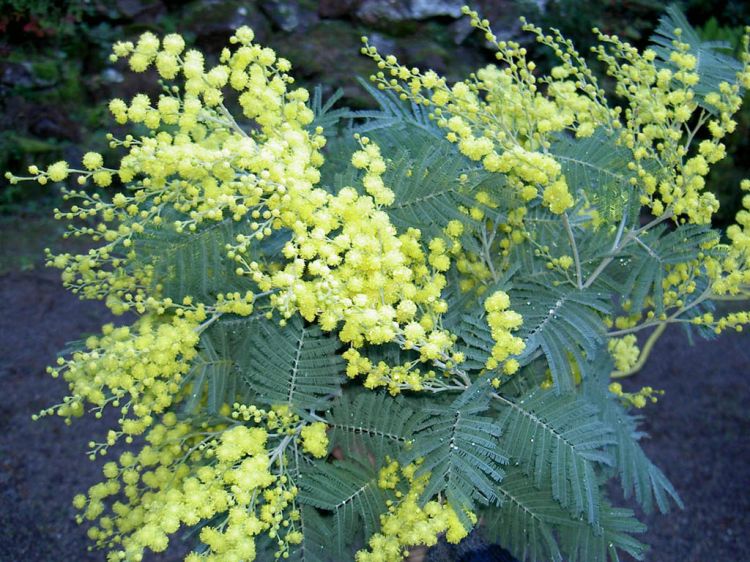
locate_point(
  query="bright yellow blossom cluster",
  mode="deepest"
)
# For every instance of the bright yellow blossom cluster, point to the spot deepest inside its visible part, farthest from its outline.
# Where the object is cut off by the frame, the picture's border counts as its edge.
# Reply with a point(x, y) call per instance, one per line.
point(637, 399)
point(408, 523)
point(314, 439)
point(659, 125)
point(502, 322)
point(732, 275)
point(137, 370)
point(223, 476)
point(624, 352)
point(501, 116)
point(197, 166)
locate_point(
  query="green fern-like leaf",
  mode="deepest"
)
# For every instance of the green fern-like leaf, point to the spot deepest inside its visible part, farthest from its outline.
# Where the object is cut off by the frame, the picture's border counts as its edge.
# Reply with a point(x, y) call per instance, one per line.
point(597, 167)
point(646, 260)
point(192, 263)
point(316, 542)
point(295, 365)
point(524, 519)
point(215, 378)
point(325, 115)
point(714, 63)
point(558, 440)
point(349, 491)
point(316, 537)
point(564, 323)
point(614, 533)
point(475, 340)
point(425, 180)
point(458, 446)
point(394, 114)
point(372, 423)
point(638, 475)
point(535, 528)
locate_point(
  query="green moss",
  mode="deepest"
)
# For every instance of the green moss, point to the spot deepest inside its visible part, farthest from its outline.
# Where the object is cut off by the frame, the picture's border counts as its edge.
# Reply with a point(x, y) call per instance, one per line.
point(46, 70)
point(328, 54)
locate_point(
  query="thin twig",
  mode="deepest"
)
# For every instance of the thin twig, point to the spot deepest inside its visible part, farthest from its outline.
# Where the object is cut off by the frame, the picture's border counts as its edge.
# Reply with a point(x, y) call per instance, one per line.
point(574, 247)
point(627, 239)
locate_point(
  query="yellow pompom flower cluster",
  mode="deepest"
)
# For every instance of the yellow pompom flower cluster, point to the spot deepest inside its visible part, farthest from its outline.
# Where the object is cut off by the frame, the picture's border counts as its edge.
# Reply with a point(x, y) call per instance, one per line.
point(503, 322)
point(408, 523)
point(137, 370)
point(197, 165)
point(371, 161)
point(658, 127)
point(228, 475)
point(636, 399)
point(349, 267)
point(624, 351)
point(731, 277)
point(501, 116)
point(155, 492)
point(314, 439)
point(345, 266)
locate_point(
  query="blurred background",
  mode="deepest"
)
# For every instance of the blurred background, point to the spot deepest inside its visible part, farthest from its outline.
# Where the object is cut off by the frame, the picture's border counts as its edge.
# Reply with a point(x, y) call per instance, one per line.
point(55, 77)
point(55, 81)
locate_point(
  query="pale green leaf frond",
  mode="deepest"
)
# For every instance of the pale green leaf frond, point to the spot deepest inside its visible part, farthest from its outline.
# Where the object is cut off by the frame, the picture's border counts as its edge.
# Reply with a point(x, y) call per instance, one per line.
point(564, 323)
point(349, 492)
point(603, 543)
point(459, 449)
point(296, 365)
point(523, 521)
point(713, 66)
point(559, 441)
point(597, 167)
point(191, 263)
point(639, 476)
point(372, 423)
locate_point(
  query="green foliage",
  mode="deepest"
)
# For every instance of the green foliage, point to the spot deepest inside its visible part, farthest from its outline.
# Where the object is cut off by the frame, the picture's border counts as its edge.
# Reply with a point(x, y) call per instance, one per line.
point(295, 365)
point(459, 449)
point(188, 263)
point(559, 441)
point(316, 530)
point(617, 525)
point(540, 531)
point(597, 166)
point(639, 477)
point(564, 324)
point(425, 179)
point(349, 491)
point(714, 64)
point(646, 261)
point(431, 180)
point(372, 422)
point(213, 378)
point(523, 521)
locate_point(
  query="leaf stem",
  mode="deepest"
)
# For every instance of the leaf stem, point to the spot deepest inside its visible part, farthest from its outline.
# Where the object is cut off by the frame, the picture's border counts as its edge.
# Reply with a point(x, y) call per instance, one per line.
point(574, 247)
point(627, 239)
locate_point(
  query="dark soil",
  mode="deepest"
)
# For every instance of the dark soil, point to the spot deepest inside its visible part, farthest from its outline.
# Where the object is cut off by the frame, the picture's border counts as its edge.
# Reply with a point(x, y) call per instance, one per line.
point(700, 434)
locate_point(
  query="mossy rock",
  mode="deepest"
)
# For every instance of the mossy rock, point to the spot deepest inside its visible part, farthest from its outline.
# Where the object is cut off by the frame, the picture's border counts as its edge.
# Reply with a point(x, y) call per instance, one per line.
point(212, 22)
point(329, 54)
